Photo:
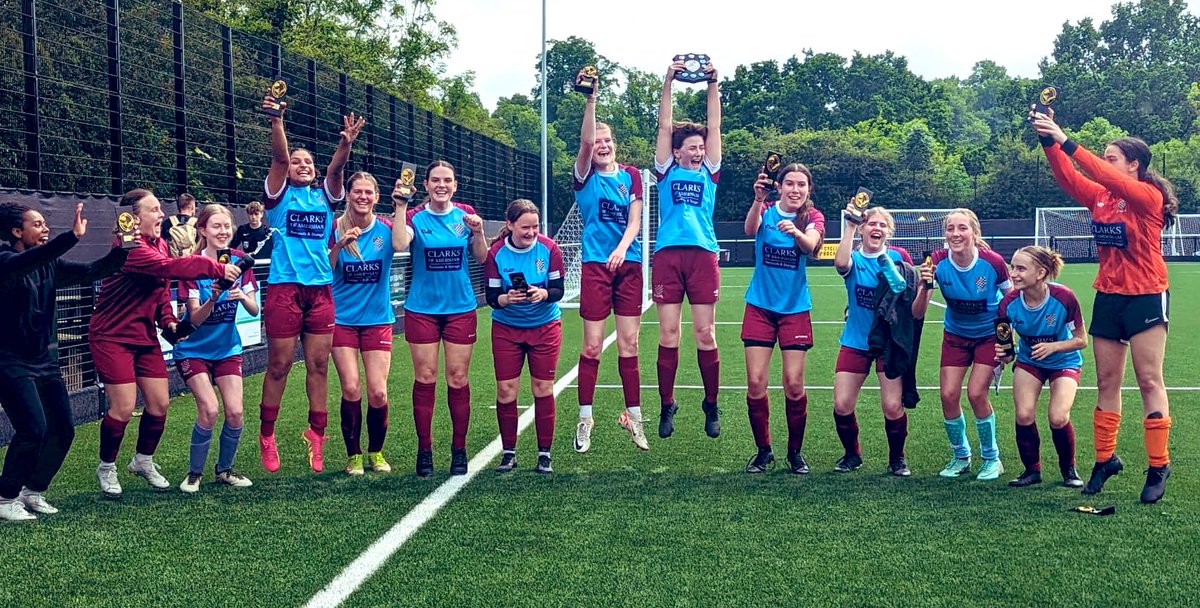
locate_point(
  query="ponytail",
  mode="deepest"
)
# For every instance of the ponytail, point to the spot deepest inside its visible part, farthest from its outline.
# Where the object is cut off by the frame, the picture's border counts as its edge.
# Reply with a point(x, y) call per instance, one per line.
point(1137, 149)
point(975, 226)
point(1050, 260)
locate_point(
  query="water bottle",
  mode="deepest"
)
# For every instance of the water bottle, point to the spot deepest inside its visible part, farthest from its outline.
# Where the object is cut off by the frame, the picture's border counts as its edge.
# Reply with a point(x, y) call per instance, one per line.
point(891, 273)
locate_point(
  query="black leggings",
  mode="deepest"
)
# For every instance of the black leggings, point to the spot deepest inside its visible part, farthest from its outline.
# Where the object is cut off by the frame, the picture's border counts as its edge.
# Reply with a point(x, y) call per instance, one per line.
point(40, 412)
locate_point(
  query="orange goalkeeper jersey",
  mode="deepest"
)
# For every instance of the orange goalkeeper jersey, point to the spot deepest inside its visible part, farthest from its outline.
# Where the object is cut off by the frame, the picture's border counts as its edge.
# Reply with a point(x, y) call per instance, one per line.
point(1127, 221)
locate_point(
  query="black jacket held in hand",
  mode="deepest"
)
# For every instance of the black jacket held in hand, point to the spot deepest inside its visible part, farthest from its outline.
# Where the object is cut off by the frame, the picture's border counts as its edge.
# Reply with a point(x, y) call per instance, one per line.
point(28, 283)
point(896, 334)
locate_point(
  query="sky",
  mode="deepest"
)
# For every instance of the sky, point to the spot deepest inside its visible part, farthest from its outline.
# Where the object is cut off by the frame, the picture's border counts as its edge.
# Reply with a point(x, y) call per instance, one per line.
point(500, 40)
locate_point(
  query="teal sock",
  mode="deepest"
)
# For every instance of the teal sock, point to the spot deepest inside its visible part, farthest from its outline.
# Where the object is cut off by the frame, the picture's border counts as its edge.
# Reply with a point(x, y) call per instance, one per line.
point(987, 437)
point(230, 436)
point(956, 432)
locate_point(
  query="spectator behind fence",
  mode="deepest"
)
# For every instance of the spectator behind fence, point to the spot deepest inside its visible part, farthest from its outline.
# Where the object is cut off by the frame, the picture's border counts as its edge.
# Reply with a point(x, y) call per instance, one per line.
point(179, 231)
point(254, 237)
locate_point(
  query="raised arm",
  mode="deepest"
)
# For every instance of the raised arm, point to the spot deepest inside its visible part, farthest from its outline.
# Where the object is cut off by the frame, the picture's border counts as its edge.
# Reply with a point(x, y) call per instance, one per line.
point(587, 135)
point(479, 244)
point(278, 172)
point(150, 261)
point(16, 265)
point(712, 144)
point(335, 179)
point(662, 146)
point(401, 237)
point(75, 273)
point(754, 216)
point(843, 259)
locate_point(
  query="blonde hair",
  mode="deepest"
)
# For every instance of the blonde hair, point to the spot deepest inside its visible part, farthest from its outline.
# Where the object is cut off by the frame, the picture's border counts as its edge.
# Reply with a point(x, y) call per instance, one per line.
point(885, 214)
point(206, 213)
point(1047, 258)
point(343, 222)
point(973, 220)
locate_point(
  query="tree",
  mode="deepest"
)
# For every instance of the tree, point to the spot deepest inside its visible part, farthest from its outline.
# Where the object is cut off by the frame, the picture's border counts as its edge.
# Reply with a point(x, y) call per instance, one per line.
point(564, 58)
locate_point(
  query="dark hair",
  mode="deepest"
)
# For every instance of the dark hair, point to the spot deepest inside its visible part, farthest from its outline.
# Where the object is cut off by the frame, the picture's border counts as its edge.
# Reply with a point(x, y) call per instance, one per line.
point(316, 170)
point(683, 130)
point(513, 213)
point(254, 207)
point(185, 200)
point(1134, 148)
point(12, 215)
point(133, 198)
point(439, 163)
point(798, 168)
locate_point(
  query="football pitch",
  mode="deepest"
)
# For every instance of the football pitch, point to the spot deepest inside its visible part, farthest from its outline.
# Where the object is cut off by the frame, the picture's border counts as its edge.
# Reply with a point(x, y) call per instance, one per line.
point(680, 525)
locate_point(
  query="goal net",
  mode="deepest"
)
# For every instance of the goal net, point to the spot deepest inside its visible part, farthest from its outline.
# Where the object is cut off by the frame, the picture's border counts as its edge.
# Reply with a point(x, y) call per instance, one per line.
point(1068, 230)
point(570, 241)
point(917, 230)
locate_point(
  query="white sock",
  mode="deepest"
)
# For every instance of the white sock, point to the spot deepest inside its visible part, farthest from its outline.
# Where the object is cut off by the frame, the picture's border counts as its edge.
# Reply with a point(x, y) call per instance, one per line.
point(585, 411)
point(541, 453)
point(634, 412)
point(108, 465)
point(510, 452)
point(143, 459)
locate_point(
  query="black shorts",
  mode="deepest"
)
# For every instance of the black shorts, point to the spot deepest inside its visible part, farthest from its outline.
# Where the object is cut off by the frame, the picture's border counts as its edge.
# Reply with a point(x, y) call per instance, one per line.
point(1120, 317)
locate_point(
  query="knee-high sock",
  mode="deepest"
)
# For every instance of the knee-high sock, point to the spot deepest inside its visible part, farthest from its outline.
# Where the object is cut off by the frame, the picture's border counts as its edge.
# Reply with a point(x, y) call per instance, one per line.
point(543, 412)
point(201, 438)
point(230, 437)
point(1064, 444)
point(631, 382)
point(112, 431)
point(986, 427)
point(760, 419)
point(710, 373)
point(668, 364)
point(847, 430)
point(150, 430)
point(589, 369)
point(1157, 433)
point(1029, 446)
point(506, 418)
point(352, 425)
point(897, 432)
point(459, 400)
point(317, 421)
point(796, 411)
point(422, 399)
point(268, 414)
point(1106, 424)
point(956, 432)
point(377, 427)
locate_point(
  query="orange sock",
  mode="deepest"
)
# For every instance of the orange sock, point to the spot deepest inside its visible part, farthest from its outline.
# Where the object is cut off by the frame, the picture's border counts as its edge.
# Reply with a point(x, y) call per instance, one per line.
point(1105, 425)
point(1158, 431)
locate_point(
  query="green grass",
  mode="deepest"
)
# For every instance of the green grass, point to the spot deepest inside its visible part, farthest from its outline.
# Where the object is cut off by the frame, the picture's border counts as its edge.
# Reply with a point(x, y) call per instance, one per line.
point(680, 525)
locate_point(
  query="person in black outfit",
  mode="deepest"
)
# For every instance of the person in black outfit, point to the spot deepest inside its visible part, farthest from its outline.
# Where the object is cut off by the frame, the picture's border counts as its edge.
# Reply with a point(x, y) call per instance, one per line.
point(254, 237)
point(32, 391)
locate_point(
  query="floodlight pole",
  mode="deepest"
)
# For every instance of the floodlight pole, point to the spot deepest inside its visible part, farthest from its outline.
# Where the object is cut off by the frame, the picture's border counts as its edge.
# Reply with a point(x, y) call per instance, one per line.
point(545, 155)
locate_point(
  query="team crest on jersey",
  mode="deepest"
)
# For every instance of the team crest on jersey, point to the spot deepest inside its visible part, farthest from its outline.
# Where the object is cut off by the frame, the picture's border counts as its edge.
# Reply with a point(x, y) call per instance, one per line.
point(541, 265)
point(1121, 205)
point(981, 283)
point(459, 229)
point(378, 242)
point(1050, 319)
point(623, 190)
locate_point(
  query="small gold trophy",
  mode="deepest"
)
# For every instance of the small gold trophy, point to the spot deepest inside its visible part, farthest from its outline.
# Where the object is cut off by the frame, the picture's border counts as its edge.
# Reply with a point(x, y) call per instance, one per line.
point(406, 187)
point(272, 104)
point(224, 256)
point(585, 82)
point(126, 230)
point(1045, 99)
point(861, 200)
point(1004, 336)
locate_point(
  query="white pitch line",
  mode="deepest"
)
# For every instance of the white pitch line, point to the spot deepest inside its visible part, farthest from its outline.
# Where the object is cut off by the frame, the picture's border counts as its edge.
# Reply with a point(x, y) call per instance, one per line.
point(927, 321)
point(734, 387)
point(373, 558)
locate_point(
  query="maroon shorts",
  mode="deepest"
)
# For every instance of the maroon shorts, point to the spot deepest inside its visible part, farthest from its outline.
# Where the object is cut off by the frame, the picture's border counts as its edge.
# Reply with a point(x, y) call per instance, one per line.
point(690, 270)
point(761, 327)
point(118, 363)
point(363, 337)
point(1045, 374)
point(958, 351)
point(291, 309)
point(229, 366)
point(459, 328)
point(511, 344)
point(603, 291)
point(856, 361)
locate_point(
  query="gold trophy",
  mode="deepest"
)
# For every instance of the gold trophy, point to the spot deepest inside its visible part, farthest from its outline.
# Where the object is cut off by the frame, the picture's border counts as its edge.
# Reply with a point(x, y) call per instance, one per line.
point(406, 187)
point(127, 230)
point(1004, 336)
point(585, 82)
point(272, 104)
point(861, 200)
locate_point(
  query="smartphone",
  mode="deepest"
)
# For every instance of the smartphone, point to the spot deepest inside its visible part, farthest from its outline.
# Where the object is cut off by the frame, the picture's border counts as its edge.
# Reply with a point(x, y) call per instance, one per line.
point(518, 281)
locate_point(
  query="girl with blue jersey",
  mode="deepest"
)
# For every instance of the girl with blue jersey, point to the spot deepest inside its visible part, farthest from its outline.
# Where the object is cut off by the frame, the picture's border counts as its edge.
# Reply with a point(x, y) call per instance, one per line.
point(524, 273)
point(860, 269)
point(362, 276)
point(687, 161)
point(1047, 317)
point(214, 352)
point(777, 307)
point(440, 307)
point(973, 279)
point(299, 302)
point(609, 197)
